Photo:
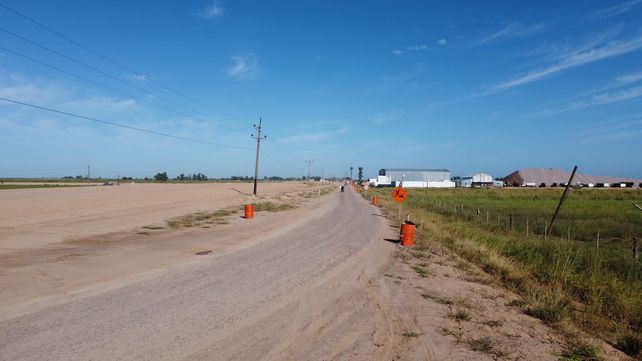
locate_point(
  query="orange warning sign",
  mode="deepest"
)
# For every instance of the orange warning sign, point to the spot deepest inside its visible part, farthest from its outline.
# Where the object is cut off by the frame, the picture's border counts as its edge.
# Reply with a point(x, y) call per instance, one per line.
point(399, 194)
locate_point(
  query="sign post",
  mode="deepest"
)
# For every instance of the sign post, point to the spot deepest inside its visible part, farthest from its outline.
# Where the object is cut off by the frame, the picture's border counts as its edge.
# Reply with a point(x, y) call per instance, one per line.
point(399, 194)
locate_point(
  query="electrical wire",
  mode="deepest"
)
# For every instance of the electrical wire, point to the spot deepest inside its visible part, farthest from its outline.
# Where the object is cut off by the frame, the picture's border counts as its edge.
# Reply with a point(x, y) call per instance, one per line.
point(111, 60)
point(121, 125)
point(85, 79)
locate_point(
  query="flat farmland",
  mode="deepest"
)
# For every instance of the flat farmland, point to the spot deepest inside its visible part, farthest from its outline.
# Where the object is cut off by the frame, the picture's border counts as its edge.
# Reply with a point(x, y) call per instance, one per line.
point(33, 218)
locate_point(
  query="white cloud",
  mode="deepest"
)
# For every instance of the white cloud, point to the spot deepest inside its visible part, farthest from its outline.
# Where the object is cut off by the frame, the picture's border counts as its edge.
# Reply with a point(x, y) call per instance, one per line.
point(397, 52)
point(573, 59)
point(29, 90)
point(629, 78)
point(417, 47)
point(616, 96)
point(406, 79)
point(213, 11)
point(597, 100)
point(617, 129)
point(139, 77)
point(613, 10)
point(442, 41)
point(511, 30)
point(314, 136)
point(385, 117)
point(244, 67)
point(100, 105)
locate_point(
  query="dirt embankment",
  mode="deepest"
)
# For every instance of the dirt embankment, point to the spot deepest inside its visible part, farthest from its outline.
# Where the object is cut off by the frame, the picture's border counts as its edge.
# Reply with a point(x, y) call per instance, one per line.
point(445, 308)
point(56, 242)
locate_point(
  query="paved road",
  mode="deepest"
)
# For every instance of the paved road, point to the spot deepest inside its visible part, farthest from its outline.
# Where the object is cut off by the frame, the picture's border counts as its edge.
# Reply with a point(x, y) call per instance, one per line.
point(234, 306)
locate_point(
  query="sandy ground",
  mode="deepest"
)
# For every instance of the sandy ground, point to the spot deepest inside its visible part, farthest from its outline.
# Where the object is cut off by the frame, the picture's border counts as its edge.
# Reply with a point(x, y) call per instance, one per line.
point(289, 294)
point(320, 282)
point(33, 218)
point(38, 276)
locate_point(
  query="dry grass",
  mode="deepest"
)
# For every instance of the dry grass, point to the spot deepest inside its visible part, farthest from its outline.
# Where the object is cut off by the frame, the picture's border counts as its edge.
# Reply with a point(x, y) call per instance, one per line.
point(200, 219)
point(459, 315)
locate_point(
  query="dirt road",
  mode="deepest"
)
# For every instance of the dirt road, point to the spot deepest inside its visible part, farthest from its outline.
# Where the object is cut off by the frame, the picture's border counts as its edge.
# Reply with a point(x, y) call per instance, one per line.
point(299, 292)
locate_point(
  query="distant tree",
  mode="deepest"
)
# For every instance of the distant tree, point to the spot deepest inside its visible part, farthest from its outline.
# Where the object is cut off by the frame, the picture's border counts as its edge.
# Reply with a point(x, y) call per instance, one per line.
point(360, 174)
point(79, 177)
point(161, 177)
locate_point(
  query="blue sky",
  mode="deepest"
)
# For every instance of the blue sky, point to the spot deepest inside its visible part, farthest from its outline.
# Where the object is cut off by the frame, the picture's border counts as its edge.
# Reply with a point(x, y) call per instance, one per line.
point(489, 86)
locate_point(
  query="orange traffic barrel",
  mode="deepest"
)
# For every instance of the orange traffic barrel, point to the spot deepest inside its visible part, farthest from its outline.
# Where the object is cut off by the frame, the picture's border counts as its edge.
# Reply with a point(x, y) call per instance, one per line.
point(407, 234)
point(375, 200)
point(249, 211)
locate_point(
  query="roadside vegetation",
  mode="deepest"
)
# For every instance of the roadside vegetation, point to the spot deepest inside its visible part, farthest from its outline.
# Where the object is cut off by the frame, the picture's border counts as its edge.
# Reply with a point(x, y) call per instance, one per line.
point(583, 275)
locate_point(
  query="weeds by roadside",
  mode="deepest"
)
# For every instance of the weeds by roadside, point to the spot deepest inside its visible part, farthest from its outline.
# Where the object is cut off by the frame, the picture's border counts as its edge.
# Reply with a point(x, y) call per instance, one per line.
point(588, 290)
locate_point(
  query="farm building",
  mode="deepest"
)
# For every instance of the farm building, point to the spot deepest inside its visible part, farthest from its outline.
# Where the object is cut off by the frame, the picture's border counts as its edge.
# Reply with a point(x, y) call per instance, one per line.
point(415, 178)
point(536, 177)
point(476, 180)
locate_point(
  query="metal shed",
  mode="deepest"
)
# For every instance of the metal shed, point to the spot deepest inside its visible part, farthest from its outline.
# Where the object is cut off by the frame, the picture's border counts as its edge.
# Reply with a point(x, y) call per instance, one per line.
point(415, 177)
point(477, 180)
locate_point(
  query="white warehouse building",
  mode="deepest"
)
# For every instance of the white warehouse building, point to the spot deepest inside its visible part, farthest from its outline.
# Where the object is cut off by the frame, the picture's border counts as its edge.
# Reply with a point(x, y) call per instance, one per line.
point(476, 180)
point(415, 178)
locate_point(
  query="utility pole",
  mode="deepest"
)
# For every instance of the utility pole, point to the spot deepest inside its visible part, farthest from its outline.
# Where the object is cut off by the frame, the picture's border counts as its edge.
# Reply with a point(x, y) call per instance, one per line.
point(88, 172)
point(258, 144)
point(309, 163)
point(559, 205)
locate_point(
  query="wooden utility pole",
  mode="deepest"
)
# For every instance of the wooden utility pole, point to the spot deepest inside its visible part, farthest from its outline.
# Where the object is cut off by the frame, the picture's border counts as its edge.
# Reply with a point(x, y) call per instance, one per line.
point(258, 144)
point(559, 205)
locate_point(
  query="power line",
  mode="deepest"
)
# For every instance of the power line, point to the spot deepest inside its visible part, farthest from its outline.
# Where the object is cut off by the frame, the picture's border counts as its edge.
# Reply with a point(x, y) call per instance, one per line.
point(111, 60)
point(122, 66)
point(288, 152)
point(103, 85)
point(121, 125)
point(91, 81)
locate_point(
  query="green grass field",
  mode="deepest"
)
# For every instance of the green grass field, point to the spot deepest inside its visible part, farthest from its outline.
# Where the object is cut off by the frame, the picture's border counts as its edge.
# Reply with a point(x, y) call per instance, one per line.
point(565, 277)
